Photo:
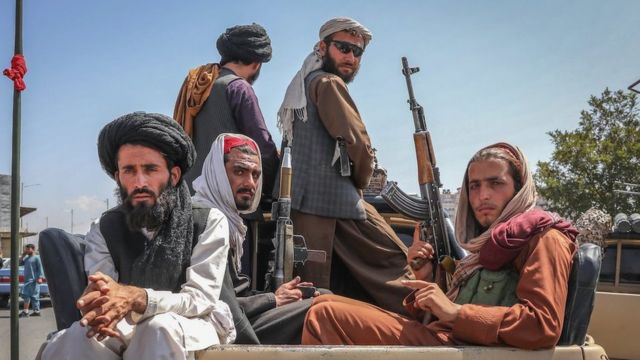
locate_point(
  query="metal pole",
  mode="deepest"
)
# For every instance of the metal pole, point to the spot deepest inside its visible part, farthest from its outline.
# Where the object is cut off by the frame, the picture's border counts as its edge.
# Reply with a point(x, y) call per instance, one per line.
point(15, 196)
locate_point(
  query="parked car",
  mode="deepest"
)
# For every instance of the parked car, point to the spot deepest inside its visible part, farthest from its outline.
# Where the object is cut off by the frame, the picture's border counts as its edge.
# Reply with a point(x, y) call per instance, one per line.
point(5, 283)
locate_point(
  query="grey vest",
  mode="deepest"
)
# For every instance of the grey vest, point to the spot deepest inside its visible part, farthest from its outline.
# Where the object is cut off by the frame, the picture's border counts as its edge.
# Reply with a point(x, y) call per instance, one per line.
point(214, 118)
point(317, 186)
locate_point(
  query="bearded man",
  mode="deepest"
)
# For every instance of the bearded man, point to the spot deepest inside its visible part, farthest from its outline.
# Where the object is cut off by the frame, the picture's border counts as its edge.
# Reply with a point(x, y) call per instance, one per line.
point(321, 122)
point(231, 181)
point(511, 290)
point(154, 277)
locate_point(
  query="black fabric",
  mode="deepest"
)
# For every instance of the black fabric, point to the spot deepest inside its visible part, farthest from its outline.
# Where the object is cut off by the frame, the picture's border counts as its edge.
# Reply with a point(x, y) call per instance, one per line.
point(157, 131)
point(249, 43)
point(583, 281)
point(244, 330)
point(257, 319)
point(165, 258)
point(127, 247)
point(62, 256)
point(124, 245)
point(282, 325)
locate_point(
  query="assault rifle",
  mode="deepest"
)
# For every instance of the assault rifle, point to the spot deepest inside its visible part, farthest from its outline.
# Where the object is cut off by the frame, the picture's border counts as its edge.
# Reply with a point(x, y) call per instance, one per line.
point(435, 227)
point(290, 249)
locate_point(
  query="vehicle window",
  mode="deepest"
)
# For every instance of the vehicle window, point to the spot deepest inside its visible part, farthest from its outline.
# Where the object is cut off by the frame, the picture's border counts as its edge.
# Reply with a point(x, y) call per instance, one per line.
point(629, 265)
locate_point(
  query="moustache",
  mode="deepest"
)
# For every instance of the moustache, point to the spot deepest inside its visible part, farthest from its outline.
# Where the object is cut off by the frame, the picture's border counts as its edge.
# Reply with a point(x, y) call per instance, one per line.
point(141, 191)
point(484, 206)
point(246, 191)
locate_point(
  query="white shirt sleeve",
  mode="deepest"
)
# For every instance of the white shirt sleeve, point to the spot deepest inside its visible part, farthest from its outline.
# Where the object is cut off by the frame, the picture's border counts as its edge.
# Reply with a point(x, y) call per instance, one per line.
point(200, 293)
point(96, 254)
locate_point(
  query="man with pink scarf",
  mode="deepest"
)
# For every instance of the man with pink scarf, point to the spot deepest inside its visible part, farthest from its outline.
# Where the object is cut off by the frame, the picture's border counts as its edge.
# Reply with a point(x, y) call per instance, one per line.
point(511, 290)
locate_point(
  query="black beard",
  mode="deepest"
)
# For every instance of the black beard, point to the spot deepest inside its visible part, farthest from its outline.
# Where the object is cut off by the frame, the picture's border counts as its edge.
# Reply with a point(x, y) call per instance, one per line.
point(254, 77)
point(241, 206)
point(329, 65)
point(143, 216)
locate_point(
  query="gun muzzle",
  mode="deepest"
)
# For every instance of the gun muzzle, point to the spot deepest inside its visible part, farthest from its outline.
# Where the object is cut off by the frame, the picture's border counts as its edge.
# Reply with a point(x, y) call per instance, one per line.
point(285, 174)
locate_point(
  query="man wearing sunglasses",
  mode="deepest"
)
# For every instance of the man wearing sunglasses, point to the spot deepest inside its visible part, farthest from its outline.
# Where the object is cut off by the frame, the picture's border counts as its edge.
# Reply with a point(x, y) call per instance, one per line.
point(332, 162)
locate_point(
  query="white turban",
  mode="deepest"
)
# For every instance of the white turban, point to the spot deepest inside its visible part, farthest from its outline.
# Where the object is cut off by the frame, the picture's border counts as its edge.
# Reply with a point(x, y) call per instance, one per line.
point(295, 99)
point(213, 190)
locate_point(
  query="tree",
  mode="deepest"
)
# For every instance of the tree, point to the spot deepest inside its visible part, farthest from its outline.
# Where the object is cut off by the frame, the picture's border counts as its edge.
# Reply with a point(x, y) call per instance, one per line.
point(587, 162)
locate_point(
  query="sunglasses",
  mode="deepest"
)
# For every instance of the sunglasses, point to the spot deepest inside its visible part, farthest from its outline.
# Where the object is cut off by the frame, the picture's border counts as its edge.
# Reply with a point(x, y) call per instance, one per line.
point(347, 47)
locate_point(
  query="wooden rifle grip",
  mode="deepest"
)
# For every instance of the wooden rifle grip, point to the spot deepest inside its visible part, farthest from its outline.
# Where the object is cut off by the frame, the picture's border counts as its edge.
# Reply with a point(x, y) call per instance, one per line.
point(425, 169)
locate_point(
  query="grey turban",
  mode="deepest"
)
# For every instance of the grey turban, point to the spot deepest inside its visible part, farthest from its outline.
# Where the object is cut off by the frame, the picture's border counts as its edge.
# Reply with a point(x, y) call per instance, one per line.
point(249, 43)
point(156, 131)
point(344, 23)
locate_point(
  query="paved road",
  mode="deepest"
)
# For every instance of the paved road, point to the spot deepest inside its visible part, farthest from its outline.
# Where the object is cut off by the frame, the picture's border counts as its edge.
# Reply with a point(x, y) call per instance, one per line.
point(33, 332)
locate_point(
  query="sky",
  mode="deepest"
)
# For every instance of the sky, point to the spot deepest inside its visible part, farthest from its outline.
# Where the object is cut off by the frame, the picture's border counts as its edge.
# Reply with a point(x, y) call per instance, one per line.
point(501, 70)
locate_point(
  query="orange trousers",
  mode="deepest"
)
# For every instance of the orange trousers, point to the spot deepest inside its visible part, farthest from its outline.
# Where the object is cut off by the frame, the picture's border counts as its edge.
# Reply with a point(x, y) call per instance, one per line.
point(336, 320)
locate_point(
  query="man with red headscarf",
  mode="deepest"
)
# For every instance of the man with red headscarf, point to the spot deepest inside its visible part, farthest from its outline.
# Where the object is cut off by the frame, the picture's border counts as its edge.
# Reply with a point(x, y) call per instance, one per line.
point(231, 181)
point(511, 290)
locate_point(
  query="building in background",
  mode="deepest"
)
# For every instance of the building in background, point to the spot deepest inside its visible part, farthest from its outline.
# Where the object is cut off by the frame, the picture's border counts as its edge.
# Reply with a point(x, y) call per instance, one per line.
point(449, 201)
point(5, 216)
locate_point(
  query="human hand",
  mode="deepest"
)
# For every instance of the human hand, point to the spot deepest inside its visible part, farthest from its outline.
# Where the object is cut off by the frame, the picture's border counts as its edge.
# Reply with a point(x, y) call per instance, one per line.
point(289, 292)
point(106, 302)
point(39, 280)
point(430, 297)
point(420, 250)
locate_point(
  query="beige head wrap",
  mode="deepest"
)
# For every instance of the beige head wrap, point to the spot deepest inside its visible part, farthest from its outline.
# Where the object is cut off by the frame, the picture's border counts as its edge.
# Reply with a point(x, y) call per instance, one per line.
point(466, 226)
point(294, 104)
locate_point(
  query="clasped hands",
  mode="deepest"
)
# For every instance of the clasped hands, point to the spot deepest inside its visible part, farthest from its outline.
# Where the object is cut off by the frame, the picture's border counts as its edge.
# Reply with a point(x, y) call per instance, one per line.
point(105, 302)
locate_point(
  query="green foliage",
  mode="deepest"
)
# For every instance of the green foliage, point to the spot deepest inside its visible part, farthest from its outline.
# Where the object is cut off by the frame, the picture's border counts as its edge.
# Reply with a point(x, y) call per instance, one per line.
point(588, 161)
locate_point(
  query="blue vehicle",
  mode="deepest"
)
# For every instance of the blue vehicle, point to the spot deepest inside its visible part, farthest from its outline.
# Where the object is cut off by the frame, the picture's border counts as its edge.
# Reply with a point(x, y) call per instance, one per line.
point(5, 283)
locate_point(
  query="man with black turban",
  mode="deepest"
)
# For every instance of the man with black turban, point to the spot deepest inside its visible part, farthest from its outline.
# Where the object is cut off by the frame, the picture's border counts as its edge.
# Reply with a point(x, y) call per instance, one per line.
point(218, 98)
point(155, 265)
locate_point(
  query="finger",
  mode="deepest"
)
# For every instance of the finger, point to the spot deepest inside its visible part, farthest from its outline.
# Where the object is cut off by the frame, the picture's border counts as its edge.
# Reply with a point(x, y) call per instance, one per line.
point(414, 284)
point(99, 321)
point(91, 315)
point(102, 285)
point(87, 299)
point(100, 282)
point(94, 304)
point(306, 283)
point(416, 233)
point(317, 293)
point(108, 331)
point(112, 315)
point(293, 283)
point(99, 276)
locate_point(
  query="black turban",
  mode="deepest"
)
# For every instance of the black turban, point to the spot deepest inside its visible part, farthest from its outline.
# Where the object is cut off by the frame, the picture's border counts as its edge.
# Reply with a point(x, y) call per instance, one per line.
point(249, 43)
point(156, 131)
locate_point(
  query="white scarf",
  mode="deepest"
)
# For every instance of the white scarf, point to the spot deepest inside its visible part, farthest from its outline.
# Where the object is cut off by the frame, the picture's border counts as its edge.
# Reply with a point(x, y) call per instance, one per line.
point(213, 190)
point(294, 104)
